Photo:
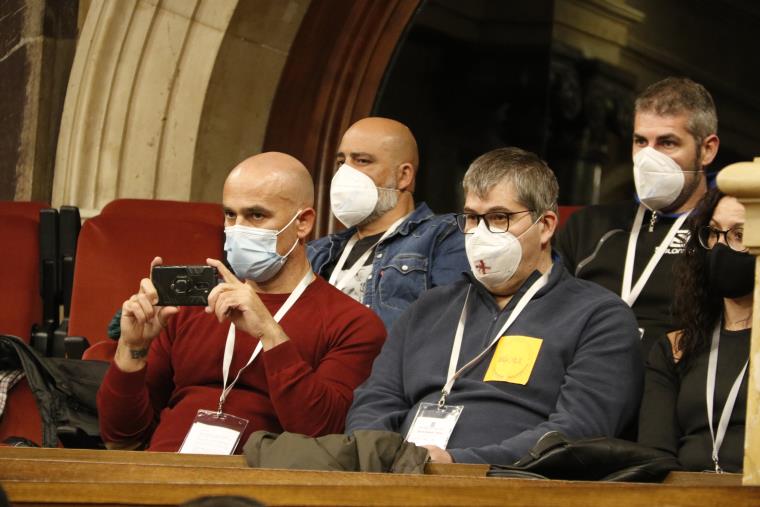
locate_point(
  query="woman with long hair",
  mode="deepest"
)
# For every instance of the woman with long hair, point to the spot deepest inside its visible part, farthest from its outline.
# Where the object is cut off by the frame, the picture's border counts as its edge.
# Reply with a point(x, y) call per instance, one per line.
point(695, 390)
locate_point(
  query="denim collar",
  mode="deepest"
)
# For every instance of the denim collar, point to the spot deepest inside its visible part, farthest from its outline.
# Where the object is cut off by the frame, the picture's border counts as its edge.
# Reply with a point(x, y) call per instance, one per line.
point(420, 214)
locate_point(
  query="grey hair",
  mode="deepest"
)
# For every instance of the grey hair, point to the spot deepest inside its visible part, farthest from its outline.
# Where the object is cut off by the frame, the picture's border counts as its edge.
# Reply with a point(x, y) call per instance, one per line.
point(535, 184)
point(681, 95)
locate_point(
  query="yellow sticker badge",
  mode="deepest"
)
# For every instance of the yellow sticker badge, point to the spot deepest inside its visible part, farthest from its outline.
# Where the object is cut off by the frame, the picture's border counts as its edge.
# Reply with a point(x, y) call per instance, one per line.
point(513, 360)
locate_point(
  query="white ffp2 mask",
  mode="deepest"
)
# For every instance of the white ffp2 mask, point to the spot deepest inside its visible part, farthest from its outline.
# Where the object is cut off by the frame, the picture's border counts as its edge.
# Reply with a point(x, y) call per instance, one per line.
point(353, 195)
point(494, 256)
point(659, 179)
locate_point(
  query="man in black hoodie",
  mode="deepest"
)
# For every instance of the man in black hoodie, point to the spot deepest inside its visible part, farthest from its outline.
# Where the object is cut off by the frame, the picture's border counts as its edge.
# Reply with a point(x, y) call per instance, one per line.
point(630, 247)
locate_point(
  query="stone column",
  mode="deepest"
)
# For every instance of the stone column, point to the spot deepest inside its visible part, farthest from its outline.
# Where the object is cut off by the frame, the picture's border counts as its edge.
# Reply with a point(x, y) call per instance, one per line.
point(137, 87)
point(742, 180)
point(166, 95)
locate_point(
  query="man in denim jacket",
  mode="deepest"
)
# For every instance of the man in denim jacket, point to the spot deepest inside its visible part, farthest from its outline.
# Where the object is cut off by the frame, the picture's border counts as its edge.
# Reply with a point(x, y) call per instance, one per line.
point(391, 250)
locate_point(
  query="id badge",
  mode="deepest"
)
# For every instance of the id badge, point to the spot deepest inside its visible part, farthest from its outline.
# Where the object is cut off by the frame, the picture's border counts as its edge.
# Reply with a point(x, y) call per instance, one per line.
point(213, 433)
point(433, 424)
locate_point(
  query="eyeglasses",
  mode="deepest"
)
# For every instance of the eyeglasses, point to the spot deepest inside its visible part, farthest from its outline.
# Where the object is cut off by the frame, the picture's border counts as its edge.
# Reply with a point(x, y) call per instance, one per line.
point(734, 237)
point(496, 221)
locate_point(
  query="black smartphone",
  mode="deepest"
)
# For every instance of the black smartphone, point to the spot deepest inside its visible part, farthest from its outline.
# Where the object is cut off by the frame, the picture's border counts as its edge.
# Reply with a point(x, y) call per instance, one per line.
point(183, 285)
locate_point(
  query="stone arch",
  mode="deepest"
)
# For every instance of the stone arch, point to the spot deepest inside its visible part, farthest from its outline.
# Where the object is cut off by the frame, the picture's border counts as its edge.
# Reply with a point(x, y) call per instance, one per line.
point(164, 95)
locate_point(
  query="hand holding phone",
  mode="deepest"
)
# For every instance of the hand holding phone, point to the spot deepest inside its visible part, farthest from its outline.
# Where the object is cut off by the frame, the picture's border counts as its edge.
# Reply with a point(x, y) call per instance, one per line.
point(141, 322)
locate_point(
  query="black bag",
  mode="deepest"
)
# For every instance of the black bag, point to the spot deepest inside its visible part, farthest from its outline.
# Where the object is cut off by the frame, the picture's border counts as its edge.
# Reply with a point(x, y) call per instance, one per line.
point(64, 389)
point(595, 459)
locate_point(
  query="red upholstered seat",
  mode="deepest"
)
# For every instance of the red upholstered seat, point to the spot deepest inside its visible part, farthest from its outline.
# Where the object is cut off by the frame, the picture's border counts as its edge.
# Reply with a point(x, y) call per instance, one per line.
point(27, 209)
point(114, 252)
point(100, 351)
point(564, 214)
point(210, 213)
point(21, 417)
point(20, 306)
point(20, 301)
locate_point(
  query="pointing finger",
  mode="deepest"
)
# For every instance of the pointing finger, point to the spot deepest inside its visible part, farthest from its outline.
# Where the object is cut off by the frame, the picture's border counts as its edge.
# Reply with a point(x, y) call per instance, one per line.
point(227, 276)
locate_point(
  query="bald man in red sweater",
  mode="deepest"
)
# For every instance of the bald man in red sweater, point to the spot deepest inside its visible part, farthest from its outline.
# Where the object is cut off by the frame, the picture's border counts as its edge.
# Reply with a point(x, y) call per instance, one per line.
point(277, 348)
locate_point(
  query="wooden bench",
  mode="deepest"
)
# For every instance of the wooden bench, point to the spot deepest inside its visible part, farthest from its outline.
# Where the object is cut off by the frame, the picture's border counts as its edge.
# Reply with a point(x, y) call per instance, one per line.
point(78, 477)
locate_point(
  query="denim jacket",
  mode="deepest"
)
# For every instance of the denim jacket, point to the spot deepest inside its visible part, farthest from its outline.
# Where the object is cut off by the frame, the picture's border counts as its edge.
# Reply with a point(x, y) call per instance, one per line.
point(423, 252)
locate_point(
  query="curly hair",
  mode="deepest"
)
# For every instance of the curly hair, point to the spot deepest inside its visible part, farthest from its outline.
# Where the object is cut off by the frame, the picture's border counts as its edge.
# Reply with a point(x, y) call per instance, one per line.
point(696, 310)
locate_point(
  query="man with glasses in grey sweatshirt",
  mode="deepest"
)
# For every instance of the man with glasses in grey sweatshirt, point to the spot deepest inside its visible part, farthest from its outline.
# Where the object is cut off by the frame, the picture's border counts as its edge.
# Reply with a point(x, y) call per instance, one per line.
point(477, 371)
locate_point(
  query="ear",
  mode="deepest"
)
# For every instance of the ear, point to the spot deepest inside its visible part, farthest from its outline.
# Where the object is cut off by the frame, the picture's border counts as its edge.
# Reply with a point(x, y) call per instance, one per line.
point(406, 177)
point(305, 223)
point(709, 149)
point(548, 223)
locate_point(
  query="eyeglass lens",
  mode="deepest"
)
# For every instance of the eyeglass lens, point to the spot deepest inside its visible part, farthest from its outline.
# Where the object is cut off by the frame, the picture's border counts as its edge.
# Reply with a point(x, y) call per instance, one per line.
point(734, 237)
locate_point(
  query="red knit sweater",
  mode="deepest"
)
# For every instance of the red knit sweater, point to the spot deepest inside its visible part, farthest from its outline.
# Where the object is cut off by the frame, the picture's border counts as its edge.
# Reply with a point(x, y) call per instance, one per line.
point(303, 386)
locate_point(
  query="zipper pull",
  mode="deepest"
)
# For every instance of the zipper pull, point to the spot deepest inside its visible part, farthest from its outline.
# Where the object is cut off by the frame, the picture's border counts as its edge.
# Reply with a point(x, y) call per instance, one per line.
point(652, 221)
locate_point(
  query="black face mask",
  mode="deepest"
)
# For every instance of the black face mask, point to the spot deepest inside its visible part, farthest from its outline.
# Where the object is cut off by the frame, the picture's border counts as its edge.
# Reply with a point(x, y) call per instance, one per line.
point(730, 274)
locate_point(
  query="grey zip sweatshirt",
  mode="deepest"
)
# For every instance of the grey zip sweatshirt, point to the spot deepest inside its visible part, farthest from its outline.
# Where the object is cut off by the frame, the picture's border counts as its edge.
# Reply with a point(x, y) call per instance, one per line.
point(586, 381)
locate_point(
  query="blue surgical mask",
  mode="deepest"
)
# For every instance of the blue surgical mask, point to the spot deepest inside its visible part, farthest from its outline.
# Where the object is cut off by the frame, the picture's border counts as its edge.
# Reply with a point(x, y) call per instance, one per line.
point(252, 252)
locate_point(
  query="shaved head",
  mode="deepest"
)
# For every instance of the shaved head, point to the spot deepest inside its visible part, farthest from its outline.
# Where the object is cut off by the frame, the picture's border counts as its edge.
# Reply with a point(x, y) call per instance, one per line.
point(274, 174)
point(273, 192)
point(391, 137)
point(386, 152)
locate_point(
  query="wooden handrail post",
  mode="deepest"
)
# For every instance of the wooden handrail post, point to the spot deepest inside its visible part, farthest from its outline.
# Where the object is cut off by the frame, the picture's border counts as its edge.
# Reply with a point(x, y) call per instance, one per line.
point(742, 180)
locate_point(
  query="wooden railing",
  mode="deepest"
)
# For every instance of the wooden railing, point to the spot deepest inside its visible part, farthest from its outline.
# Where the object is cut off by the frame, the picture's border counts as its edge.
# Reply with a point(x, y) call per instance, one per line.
point(742, 181)
point(79, 477)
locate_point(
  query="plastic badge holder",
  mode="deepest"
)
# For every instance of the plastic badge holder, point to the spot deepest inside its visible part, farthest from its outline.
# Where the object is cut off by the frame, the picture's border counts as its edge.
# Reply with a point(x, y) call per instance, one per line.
point(213, 433)
point(433, 424)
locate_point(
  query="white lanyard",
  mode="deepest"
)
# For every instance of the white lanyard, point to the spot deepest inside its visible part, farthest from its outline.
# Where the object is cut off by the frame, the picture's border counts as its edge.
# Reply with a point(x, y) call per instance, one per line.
point(453, 373)
point(340, 284)
point(629, 294)
point(229, 347)
point(728, 408)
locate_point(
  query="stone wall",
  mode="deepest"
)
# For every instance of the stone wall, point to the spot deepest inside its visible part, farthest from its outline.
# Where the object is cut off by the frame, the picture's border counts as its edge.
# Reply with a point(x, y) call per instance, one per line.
point(37, 41)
